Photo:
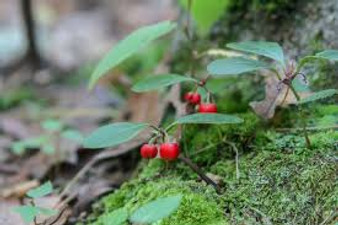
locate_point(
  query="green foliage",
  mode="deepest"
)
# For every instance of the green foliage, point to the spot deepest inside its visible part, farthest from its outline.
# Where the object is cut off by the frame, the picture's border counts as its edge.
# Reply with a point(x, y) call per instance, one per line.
point(47, 142)
point(27, 212)
point(234, 66)
point(206, 13)
point(128, 46)
point(209, 118)
point(41, 191)
point(73, 135)
point(52, 125)
point(160, 81)
point(328, 54)
point(13, 97)
point(156, 210)
point(30, 212)
point(271, 50)
point(113, 134)
point(116, 217)
point(319, 96)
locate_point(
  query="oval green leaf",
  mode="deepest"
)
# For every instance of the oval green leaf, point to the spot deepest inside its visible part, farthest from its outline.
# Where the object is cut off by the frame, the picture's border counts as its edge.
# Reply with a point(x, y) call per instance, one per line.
point(234, 66)
point(41, 191)
point(160, 81)
point(319, 95)
point(271, 50)
point(156, 210)
point(328, 54)
point(209, 118)
point(206, 13)
point(128, 46)
point(113, 134)
point(27, 212)
point(117, 217)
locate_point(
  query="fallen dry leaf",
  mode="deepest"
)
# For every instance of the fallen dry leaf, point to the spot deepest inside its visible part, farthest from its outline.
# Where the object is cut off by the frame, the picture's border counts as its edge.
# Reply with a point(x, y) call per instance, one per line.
point(18, 190)
point(274, 97)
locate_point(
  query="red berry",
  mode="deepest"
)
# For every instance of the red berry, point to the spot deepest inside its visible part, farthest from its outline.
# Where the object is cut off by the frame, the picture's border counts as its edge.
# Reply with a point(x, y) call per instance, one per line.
point(148, 151)
point(188, 96)
point(195, 99)
point(207, 108)
point(169, 151)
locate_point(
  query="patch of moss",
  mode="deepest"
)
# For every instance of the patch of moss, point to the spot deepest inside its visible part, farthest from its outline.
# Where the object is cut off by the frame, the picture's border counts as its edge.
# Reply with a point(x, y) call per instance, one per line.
point(200, 204)
point(284, 183)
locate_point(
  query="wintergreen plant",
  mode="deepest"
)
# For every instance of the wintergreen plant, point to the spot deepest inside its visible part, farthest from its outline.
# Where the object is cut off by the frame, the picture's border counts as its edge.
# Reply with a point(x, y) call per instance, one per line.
point(30, 211)
point(118, 133)
point(54, 130)
point(286, 71)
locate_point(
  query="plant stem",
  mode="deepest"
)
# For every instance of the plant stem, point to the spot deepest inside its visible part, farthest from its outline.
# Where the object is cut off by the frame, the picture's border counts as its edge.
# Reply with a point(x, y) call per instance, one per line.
point(302, 115)
point(237, 157)
point(200, 173)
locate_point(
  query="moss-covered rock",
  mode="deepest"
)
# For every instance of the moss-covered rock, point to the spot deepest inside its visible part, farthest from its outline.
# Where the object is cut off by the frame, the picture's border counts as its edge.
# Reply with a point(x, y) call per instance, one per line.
point(280, 180)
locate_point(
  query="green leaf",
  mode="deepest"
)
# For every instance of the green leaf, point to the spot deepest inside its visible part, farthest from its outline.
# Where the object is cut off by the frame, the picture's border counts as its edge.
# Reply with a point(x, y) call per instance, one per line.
point(234, 66)
point(328, 54)
point(209, 118)
point(18, 148)
point(159, 81)
point(206, 13)
point(117, 217)
point(52, 125)
point(271, 50)
point(48, 149)
point(73, 135)
point(128, 46)
point(27, 212)
point(113, 134)
point(319, 95)
point(41, 191)
point(156, 210)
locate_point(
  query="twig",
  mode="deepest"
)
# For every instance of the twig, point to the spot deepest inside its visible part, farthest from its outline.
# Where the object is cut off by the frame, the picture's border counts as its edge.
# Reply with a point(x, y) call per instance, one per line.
point(196, 169)
point(122, 149)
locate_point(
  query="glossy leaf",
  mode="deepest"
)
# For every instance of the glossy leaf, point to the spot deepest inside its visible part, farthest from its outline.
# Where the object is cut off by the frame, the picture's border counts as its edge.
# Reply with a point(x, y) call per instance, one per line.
point(206, 13)
point(234, 66)
point(27, 212)
point(113, 134)
point(271, 50)
point(156, 210)
point(41, 191)
point(209, 118)
point(117, 217)
point(319, 95)
point(128, 46)
point(328, 54)
point(159, 81)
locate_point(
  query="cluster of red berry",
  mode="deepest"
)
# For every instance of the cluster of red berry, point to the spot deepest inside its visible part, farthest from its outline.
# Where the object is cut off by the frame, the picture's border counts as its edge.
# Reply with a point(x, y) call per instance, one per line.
point(168, 151)
point(195, 99)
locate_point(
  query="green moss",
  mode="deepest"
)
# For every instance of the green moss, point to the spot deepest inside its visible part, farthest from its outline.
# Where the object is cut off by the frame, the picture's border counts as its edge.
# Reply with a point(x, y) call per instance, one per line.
point(281, 181)
point(199, 205)
point(287, 184)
